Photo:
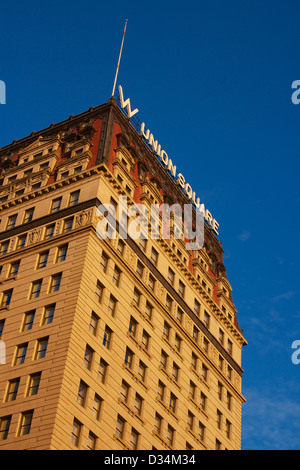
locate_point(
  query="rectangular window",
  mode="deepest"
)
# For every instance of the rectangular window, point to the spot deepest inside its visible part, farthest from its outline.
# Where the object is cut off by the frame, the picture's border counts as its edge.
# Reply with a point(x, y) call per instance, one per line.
point(136, 297)
point(82, 393)
point(35, 289)
point(21, 242)
point(94, 320)
point(41, 348)
point(197, 308)
point(171, 276)
point(92, 440)
point(55, 282)
point(61, 253)
point(42, 259)
point(55, 205)
point(120, 427)
point(4, 247)
point(33, 385)
point(107, 336)
point(134, 438)
point(102, 371)
point(4, 427)
point(28, 216)
point(170, 435)
point(96, 407)
point(148, 310)
point(74, 198)
point(28, 320)
point(154, 256)
point(181, 289)
point(68, 224)
point(14, 269)
point(128, 358)
point(20, 354)
point(25, 423)
point(49, 231)
point(99, 291)
point(151, 282)
point(158, 423)
point(140, 269)
point(169, 302)
point(11, 222)
point(48, 314)
point(132, 326)
point(104, 261)
point(112, 305)
point(88, 357)
point(6, 298)
point(12, 389)
point(124, 391)
point(116, 276)
point(75, 434)
point(2, 323)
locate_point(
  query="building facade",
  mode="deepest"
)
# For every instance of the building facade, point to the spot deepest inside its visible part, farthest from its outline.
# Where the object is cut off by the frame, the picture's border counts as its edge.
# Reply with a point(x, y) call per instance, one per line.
point(109, 343)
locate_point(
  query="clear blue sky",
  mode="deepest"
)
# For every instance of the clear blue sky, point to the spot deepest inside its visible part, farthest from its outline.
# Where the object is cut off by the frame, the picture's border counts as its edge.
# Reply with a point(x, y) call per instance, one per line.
point(212, 79)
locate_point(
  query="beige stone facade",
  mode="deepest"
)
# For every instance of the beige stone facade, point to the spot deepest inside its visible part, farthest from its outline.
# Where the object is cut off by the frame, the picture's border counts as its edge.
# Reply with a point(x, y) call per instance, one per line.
point(110, 344)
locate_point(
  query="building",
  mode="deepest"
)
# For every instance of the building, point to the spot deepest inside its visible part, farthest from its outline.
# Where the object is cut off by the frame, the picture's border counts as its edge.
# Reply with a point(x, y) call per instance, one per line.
point(109, 343)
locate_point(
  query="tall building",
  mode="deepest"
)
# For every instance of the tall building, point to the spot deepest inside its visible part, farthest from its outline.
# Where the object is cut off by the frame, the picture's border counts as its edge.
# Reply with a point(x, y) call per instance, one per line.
point(110, 343)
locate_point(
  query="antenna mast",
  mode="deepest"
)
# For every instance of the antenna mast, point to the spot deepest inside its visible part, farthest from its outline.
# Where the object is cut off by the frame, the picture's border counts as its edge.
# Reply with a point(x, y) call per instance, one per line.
point(113, 91)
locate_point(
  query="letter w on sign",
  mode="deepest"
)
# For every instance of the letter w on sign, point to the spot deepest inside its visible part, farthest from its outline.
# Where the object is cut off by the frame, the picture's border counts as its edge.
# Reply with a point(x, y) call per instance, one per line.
point(126, 104)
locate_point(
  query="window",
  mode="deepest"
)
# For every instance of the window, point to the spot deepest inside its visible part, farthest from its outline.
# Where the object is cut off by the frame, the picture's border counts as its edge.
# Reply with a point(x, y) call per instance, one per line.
point(170, 435)
point(94, 320)
point(62, 253)
point(21, 241)
point(143, 243)
point(68, 224)
point(74, 198)
point(75, 434)
point(82, 393)
point(48, 314)
point(163, 359)
point(148, 310)
point(204, 372)
point(172, 403)
point(12, 389)
point(197, 308)
point(120, 247)
point(195, 333)
point(171, 276)
point(4, 247)
point(128, 358)
point(55, 282)
point(169, 302)
point(96, 407)
point(158, 423)
point(120, 427)
point(102, 371)
point(41, 348)
point(33, 385)
point(43, 166)
point(92, 439)
point(181, 289)
point(124, 391)
point(140, 269)
point(112, 305)
point(55, 205)
point(138, 402)
point(229, 346)
point(107, 337)
point(132, 326)
point(104, 261)
point(203, 400)
point(205, 344)
point(28, 216)
point(42, 259)
point(35, 289)
point(99, 291)
point(192, 390)
point(194, 361)
point(116, 276)
point(2, 323)
point(179, 316)
point(151, 282)
point(14, 269)
point(49, 231)
point(166, 330)
point(145, 339)
point(201, 431)
point(228, 429)
point(221, 362)
point(88, 357)
point(229, 400)
point(161, 390)
point(220, 390)
point(219, 419)
point(175, 372)
point(136, 297)
point(4, 427)
point(154, 256)
point(11, 222)
point(221, 336)
point(134, 437)
point(190, 420)
point(6, 298)
point(206, 319)
point(28, 320)
point(25, 423)
point(142, 371)
point(20, 354)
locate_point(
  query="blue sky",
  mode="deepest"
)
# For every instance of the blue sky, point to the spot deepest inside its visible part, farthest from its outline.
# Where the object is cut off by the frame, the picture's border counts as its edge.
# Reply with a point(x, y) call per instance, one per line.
point(212, 80)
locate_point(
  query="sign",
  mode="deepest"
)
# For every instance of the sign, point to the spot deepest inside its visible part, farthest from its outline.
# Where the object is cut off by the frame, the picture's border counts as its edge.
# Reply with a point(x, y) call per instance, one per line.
point(169, 166)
